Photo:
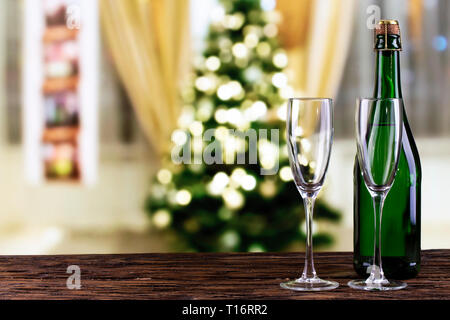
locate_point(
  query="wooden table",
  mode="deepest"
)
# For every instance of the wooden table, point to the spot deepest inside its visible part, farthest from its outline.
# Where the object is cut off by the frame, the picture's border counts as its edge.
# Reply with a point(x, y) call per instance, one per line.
point(202, 276)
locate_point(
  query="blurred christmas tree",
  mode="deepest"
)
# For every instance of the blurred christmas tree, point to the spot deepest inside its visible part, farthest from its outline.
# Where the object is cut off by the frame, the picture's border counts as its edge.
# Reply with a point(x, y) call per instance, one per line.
point(240, 84)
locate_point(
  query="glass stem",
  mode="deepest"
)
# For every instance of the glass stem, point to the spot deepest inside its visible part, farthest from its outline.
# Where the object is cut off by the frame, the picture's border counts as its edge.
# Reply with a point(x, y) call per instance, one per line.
point(376, 272)
point(309, 272)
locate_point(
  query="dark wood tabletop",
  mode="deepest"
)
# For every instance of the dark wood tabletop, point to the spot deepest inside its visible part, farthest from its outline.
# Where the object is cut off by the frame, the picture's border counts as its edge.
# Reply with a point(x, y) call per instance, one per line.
point(202, 276)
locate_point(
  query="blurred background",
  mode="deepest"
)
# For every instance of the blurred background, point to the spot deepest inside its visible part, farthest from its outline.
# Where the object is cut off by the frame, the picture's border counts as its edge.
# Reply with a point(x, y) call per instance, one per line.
point(94, 95)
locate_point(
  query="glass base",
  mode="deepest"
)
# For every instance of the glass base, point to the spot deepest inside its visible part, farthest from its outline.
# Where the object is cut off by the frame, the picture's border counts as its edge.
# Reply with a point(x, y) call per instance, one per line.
point(312, 284)
point(370, 286)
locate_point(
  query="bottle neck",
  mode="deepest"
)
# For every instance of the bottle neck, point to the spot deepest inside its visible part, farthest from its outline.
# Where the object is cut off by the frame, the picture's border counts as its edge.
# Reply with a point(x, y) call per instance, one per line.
point(387, 75)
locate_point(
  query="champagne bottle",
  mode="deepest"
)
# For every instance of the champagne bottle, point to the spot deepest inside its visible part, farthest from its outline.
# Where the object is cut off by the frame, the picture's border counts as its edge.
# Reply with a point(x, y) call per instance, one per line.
point(400, 229)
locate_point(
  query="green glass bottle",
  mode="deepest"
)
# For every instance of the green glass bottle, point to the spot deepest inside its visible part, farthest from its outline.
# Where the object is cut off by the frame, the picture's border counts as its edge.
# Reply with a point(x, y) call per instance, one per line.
point(400, 229)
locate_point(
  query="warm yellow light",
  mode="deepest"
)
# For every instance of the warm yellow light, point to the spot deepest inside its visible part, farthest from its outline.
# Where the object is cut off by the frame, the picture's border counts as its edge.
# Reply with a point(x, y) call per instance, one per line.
point(221, 178)
point(303, 160)
point(270, 30)
point(196, 128)
point(239, 20)
point(287, 92)
point(280, 60)
point(230, 239)
point(179, 137)
point(256, 248)
point(186, 117)
point(183, 197)
point(205, 110)
point(248, 183)
point(279, 80)
point(237, 175)
point(282, 112)
point(221, 133)
point(263, 49)
point(259, 109)
point(241, 63)
point(253, 73)
point(203, 83)
point(229, 90)
point(234, 116)
point(212, 63)
point(221, 116)
point(268, 154)
point(164, 176)
point(233, 199)
point(299, 132)
point(230, 148)
point(284, 150)
point(219, 183)
point(257, 30)
point(197, 145)
point(239, 50)
point(225, 43)
point(286, 174)
point(162, 219)
point(265, 147)
point(230, 145)
point(305, 144)
point(224, 92)
point(267, 161)
point(188, 95)
point(251, 40)
point(268, 188)
point(235, 87)
point(234, 21)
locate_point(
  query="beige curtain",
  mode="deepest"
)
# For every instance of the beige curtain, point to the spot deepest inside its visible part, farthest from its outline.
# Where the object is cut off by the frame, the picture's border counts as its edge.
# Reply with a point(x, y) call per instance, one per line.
point(316, 35)
point(148, 40)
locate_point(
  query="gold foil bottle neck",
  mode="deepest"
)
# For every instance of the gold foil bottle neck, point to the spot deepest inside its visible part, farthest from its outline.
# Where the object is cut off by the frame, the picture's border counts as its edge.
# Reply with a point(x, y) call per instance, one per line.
point(386, 21)
point(386, 28)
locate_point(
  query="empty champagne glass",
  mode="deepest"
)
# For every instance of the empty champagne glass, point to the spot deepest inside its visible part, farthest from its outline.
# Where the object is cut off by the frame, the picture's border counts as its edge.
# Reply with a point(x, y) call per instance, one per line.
point(379, 126)
point(310, 136)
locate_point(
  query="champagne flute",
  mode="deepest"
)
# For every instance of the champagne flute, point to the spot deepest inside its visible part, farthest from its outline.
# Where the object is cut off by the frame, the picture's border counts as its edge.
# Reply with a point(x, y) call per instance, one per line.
point(309, 139)
point(379, 126)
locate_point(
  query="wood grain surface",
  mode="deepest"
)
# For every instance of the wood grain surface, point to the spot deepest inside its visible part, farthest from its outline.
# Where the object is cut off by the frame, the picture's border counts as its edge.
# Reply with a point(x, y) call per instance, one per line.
point(202, 276)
